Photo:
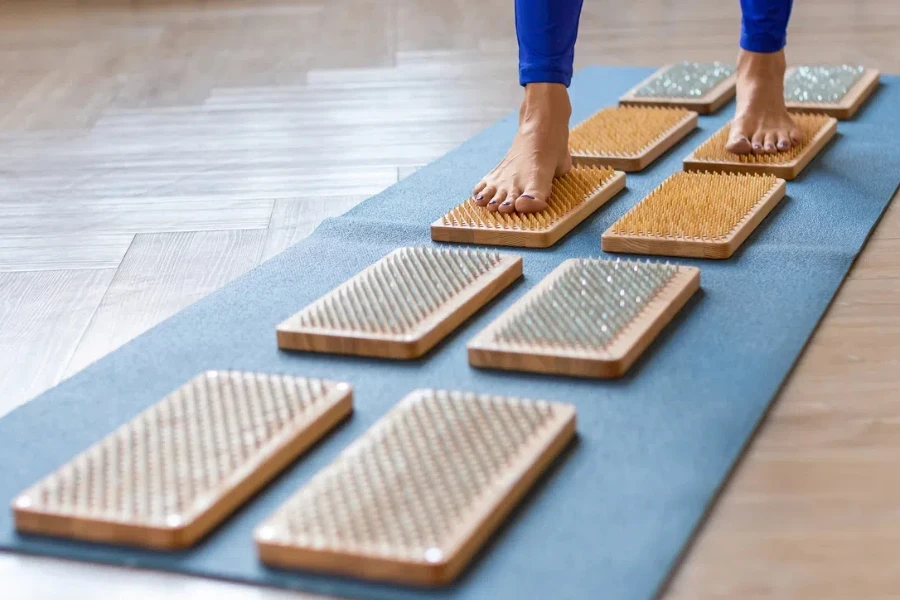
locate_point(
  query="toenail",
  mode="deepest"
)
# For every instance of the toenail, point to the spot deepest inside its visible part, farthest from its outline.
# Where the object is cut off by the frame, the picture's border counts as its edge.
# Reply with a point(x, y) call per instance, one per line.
point(479, 197)
point(507, 203)
point(782, 144)
point(757, 146)
point(492, 202)
point(526, 196)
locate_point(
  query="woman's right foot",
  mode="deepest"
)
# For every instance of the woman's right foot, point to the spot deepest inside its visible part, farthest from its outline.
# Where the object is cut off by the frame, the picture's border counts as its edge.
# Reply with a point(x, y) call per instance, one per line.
point(762, 124)
point(539, 152)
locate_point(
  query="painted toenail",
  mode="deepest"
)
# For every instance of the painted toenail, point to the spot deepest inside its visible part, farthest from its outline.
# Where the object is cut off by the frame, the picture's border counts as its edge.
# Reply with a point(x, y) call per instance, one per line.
point(526, 196)
point(782, 144)
point(492, 202)
point(507, 203)
point(479, 197)
point(757, 146)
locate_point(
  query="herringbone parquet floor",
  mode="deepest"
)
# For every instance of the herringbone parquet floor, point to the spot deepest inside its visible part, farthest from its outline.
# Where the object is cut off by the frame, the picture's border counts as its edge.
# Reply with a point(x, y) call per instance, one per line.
point(151, 151)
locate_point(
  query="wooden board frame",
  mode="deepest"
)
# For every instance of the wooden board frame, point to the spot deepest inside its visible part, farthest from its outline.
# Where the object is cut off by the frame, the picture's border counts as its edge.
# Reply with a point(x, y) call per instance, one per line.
point(788, 171)
point(614, 362)
point(639, 162)
point(473, 531)
point(696, 248)
point(713, 100)
point(234, 491)
point(528, 238)
point(427, 334)
point(858, 93)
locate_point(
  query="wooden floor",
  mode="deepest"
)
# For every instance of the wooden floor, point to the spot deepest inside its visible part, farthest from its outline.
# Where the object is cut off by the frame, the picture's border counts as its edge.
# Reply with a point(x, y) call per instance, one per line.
point(152, 151)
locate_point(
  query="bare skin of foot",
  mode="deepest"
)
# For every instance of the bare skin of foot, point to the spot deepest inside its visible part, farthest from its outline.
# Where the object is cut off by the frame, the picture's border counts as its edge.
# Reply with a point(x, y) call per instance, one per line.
point(762, 124)
point(539, 152)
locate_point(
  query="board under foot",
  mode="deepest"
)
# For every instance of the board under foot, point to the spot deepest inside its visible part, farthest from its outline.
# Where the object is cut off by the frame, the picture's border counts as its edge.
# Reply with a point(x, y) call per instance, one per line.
point(701, 87)
point(587, 318)
point(700, 215)
point(174, 472)
point(573, 198)
point(629, 138)
point(835, 90)
point(415, 497)
point(402, 305)
point(712, 155)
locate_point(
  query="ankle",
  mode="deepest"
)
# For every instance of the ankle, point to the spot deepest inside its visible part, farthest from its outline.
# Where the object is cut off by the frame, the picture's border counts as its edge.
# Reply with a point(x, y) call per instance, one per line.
point(545, 102)
point(758, 65)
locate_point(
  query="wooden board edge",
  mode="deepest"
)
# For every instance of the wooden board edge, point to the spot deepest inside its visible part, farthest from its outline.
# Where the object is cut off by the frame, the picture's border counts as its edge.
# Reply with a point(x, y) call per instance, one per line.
point(335, 407)
point(709, 103)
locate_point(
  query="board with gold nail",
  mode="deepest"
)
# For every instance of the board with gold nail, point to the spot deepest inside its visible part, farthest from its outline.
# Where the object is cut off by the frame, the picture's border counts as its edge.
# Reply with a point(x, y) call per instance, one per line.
point(573, 197)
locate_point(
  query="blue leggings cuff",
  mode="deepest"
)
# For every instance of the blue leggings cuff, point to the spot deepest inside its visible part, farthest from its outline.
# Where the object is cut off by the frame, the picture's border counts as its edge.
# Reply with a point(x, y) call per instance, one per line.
point(537, 74)
point(763, 42)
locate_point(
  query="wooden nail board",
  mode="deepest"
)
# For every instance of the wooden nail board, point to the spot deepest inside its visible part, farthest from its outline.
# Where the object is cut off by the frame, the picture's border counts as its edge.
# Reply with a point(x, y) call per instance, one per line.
point(629, 138)
point(699, 215)
point(414, 498)
point(704, 101)
point(402, 305)
point(843, 108)
point(173, 473)
point(712, 156)
point(574, 197)
point(587, 318)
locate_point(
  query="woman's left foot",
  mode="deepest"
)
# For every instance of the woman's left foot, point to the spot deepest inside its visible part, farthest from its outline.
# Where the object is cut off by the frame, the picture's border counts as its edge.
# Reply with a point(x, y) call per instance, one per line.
point(762, 124)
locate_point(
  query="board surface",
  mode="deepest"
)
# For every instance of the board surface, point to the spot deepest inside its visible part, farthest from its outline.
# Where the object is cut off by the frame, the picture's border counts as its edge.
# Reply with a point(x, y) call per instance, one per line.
point(167, 477)
point(588, 318)
point(825, 89)
point(574, 197)
point(415, 497)
point(701, 87)
point(700, 215)
point(629, 138)
point(401, 306)
point(712, 156)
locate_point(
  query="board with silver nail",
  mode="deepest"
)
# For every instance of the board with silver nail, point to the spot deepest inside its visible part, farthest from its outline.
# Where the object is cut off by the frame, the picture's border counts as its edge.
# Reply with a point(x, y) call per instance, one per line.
point(711, 155)
point(573, 198)
point(587, 318)
point(414, 498)
point(701, 87)
point(699, 215)
point(173, 473)
point(629, 138)
point(835, 90)
point(402, 305)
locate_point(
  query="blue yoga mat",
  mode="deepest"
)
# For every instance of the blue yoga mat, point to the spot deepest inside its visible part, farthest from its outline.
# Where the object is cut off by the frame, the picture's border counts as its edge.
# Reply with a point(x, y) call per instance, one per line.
point(612, 517)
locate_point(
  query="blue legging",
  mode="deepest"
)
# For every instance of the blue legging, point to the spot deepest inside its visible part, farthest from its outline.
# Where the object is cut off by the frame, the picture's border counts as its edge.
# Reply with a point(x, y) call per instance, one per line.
point(547, 30)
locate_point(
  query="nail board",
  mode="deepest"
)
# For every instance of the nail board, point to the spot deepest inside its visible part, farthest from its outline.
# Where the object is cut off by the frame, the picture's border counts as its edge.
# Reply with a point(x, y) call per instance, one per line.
point(703, 87)
point(711, 155)
point(835, 90)
point(587, 318)
point(402, 305)
point(699, 215)
point(173, 473)
point(573, 198)
point(417, 496)
point(629, 138)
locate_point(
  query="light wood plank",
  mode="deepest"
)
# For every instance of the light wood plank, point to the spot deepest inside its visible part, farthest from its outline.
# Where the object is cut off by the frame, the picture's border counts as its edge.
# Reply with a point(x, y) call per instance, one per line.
point(57, 252)
point(161, 274)
point(42, 317)
point(293, 220)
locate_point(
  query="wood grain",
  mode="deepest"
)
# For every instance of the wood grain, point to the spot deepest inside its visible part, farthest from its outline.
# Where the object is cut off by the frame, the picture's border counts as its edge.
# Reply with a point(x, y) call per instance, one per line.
point(293, 220)
point(42, 316)
point(161, 274)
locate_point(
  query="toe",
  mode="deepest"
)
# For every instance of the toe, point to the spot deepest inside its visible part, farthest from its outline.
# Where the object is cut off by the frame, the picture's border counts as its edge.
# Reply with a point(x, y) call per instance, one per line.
point(797, 137)
point(508, 205)
point(757, 142)
point(738, 142)
point(529, 203)
point(478, 193)
point(486, 195)
point(784, 141)
point(769, 142)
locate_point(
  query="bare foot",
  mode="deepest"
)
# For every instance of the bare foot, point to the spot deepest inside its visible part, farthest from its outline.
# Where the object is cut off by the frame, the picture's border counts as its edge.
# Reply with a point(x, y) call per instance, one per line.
point(762, 124)
point(539, 152)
